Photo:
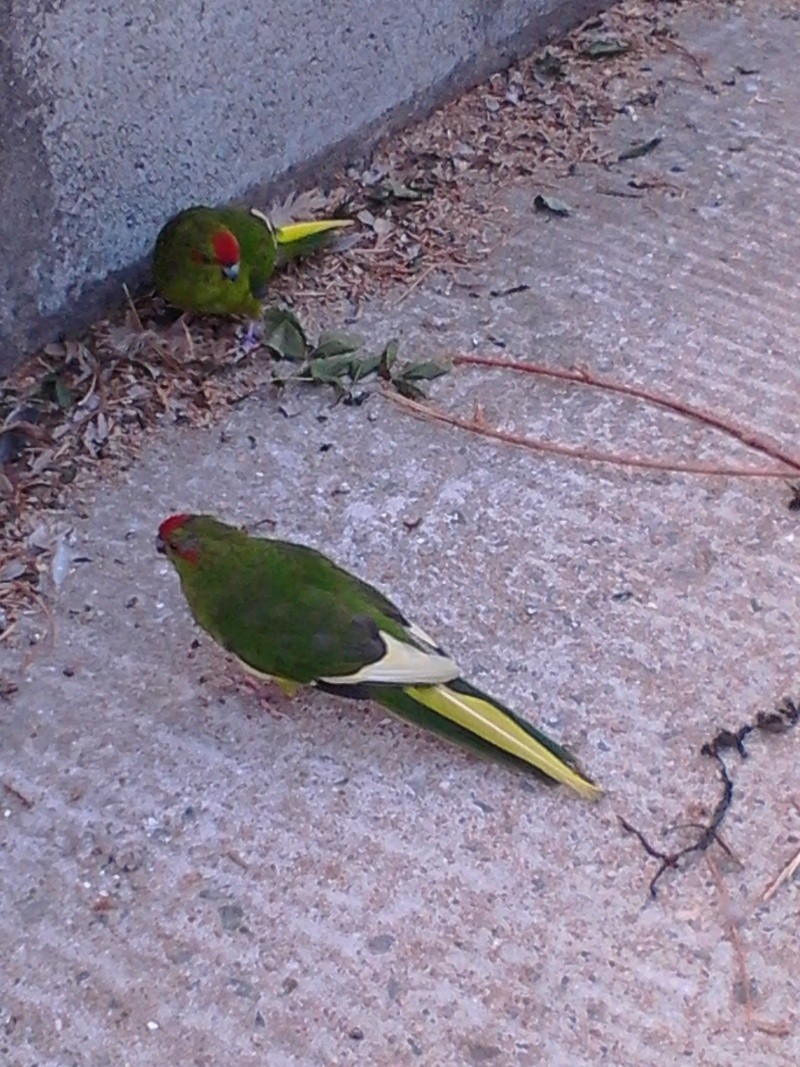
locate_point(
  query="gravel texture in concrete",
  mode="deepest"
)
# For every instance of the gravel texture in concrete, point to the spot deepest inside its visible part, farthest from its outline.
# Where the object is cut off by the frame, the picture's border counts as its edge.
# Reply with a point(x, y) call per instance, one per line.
point(188, 878)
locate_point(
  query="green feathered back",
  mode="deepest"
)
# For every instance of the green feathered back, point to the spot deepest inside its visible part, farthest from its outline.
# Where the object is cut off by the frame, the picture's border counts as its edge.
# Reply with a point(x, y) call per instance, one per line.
point(284, 609)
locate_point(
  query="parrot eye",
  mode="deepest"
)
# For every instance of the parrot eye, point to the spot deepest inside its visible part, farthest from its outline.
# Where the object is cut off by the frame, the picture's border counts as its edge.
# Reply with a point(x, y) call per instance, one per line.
point(186, 547)
point(231, 272)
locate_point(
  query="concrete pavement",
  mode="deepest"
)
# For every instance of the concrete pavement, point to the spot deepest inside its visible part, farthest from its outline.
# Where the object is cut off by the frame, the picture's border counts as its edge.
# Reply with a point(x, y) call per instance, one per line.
point(189, 879)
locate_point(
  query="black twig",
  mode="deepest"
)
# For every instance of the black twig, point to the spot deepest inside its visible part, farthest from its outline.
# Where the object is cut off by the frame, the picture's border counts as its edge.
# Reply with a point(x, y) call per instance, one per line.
point(783, 718)
point(708, 831)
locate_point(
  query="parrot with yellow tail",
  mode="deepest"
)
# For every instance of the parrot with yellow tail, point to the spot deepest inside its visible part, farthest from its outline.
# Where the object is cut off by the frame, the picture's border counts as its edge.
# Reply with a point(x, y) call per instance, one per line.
point(218, 261)
point(288, 613)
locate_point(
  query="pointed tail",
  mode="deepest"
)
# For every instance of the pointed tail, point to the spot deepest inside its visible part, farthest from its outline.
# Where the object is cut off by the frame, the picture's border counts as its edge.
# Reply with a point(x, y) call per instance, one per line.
point(301, 238)
point(461, 712)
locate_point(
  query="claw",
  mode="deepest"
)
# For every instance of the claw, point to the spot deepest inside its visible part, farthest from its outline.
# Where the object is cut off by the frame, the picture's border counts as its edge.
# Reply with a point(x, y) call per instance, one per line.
point(248, 340)
point(265, 692)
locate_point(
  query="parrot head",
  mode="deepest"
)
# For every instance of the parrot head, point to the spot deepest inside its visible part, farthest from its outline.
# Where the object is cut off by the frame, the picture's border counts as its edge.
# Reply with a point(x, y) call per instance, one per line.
point(196, 544)
point(197, 547)
point(221, 249)
point(176, 539)
point(189, 541)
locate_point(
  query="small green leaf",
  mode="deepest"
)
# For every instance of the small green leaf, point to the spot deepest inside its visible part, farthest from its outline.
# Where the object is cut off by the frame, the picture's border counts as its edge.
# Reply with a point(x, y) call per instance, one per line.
point(55, 388)
point(276, 315)
point(283, 334)
point(640, 148)
point(425, 370)
point(330, 369)
point(360, 368)
point(551, 205)
point(409, 389)
point(605, 48)
point(334, 343)
point(393, 191)
point(549, 66)
point(388, 356)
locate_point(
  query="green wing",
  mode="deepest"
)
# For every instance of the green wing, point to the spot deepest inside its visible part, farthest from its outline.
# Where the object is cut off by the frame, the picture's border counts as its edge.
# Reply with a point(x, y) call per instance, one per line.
point(287, 610)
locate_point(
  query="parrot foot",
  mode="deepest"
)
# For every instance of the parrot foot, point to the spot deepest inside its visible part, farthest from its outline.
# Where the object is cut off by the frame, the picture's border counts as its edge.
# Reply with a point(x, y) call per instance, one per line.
point(271, 695)
point(248, 339)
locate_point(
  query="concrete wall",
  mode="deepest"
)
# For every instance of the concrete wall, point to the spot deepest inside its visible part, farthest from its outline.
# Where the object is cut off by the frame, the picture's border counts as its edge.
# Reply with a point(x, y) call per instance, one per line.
point(115, 114)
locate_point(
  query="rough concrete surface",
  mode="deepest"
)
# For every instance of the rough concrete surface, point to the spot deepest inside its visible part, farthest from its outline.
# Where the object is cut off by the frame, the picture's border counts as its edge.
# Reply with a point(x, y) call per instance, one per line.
point(194, 880)
point(114, 116)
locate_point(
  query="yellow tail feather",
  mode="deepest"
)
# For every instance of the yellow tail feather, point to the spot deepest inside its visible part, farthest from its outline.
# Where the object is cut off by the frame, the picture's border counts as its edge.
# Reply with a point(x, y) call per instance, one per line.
point(296, 231)
point(495, 726)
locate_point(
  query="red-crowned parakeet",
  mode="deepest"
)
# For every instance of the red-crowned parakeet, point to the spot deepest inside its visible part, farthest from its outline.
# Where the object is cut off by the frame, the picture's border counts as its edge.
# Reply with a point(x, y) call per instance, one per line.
point(288, 613)
point(218, 260)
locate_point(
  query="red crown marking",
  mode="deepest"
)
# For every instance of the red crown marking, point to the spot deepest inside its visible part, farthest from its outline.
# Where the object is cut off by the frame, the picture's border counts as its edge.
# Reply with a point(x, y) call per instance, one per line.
point(170, 525)
point(226, 248)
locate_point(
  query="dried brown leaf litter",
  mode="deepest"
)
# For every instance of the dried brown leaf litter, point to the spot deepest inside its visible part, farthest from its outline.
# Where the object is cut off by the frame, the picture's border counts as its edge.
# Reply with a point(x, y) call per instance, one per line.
point(77, 410)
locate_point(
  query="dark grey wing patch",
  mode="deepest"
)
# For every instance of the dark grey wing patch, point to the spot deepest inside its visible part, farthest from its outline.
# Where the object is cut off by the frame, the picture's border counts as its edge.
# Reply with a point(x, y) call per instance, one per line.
point(361, 644)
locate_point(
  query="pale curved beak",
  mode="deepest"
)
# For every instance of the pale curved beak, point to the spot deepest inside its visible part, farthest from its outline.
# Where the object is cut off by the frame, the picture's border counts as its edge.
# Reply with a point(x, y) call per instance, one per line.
point(231, 272)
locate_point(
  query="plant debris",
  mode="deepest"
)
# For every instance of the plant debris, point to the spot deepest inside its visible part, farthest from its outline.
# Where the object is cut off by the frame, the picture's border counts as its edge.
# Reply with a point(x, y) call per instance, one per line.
point(7, 688)
point(551, 205)
point(12, 791)
point(786, 873)
point(79, 408)
point(583, 376)
point(640, 148)
point(708, 833)
point(337, 358)
point(779, 721)
point(605, 48)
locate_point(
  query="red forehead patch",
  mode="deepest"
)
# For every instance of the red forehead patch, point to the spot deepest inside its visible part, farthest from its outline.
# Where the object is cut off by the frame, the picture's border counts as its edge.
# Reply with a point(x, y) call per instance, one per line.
point(170, 525)
point(226, 248)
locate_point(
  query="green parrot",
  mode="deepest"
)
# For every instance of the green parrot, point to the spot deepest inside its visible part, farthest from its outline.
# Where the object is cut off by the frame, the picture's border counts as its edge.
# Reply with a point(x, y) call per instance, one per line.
point(218, 260)
point(288, 613)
